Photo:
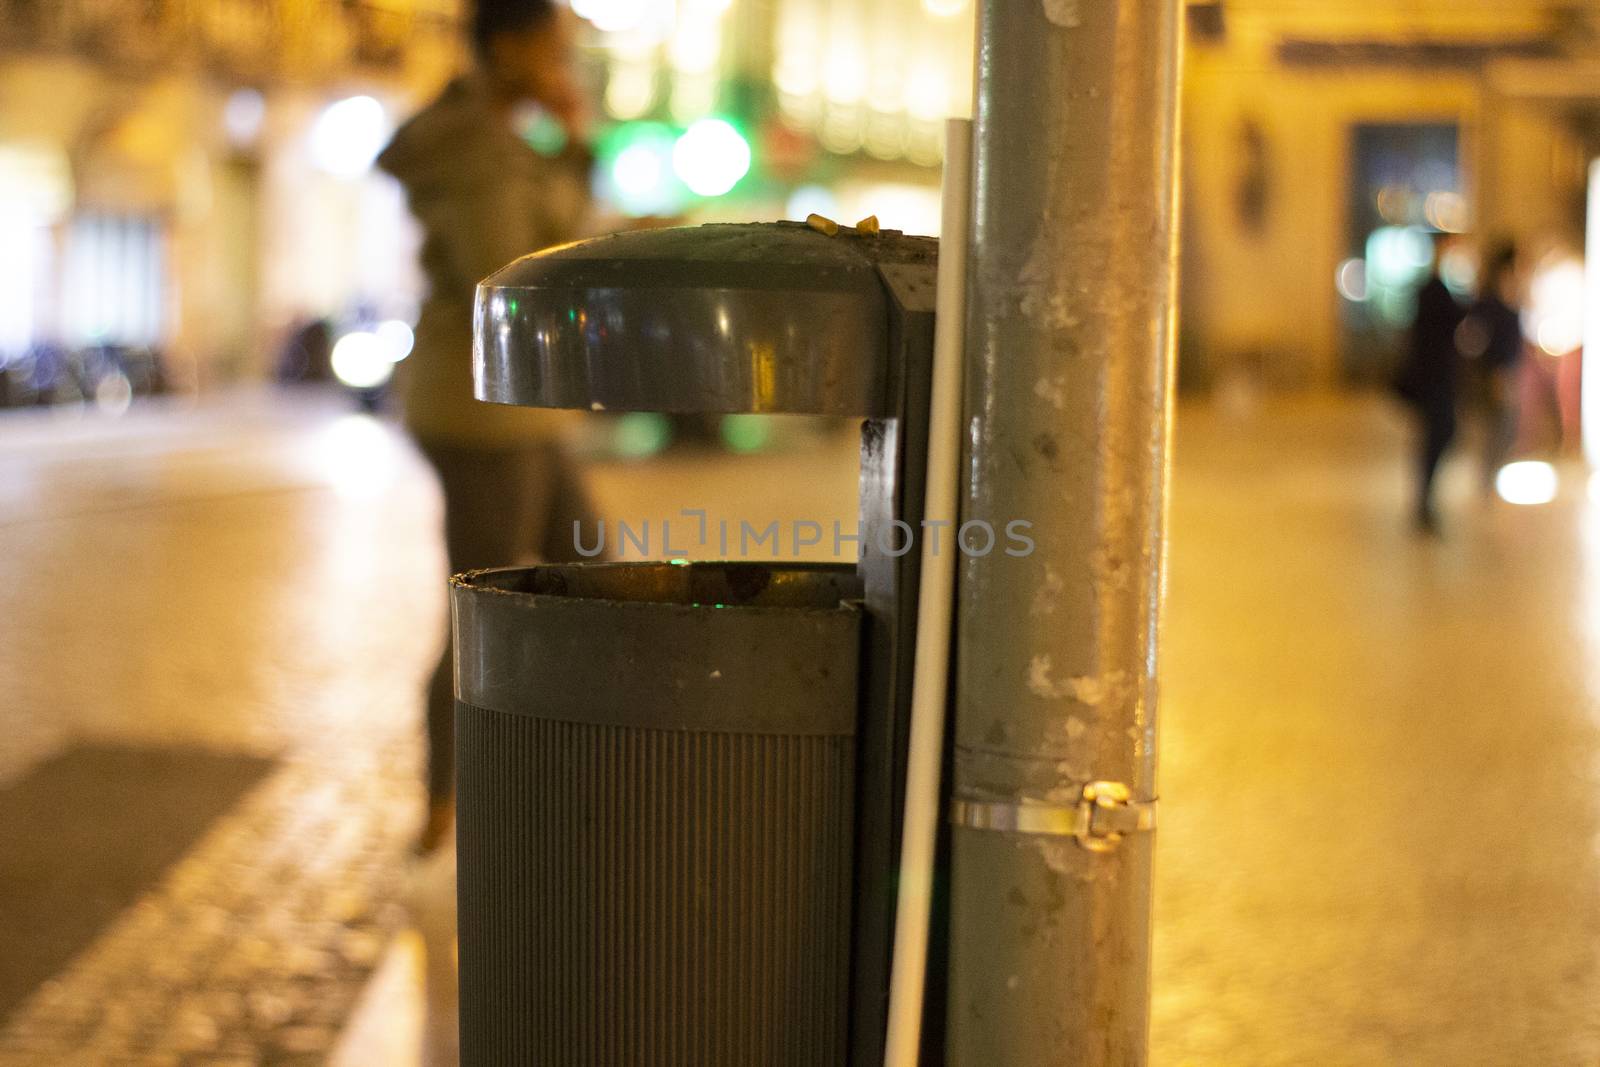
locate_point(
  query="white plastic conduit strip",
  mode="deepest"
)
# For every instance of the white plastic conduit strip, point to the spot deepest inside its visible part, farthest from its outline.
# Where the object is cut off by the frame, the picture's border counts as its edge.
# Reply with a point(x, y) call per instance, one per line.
point(935, 607)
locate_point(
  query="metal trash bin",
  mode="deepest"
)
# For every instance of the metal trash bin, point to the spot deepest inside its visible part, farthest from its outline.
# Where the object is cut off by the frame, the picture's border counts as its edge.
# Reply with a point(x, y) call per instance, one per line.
point(655, 812)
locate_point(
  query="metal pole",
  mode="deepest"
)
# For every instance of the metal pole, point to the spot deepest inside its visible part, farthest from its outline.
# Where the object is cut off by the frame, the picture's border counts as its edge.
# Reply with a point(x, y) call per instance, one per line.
point(1069, 361)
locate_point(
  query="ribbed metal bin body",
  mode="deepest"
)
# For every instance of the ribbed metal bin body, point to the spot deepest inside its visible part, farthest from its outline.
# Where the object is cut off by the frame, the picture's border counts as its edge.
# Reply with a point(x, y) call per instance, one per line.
point(655, 779)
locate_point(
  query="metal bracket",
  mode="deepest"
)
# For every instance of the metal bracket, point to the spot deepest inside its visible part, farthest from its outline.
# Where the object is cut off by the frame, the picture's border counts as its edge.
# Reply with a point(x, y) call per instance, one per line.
point(1104, 813)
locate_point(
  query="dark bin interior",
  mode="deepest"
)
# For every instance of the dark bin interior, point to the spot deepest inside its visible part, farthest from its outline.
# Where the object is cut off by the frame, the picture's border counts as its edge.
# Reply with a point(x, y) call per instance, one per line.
point(734, 585)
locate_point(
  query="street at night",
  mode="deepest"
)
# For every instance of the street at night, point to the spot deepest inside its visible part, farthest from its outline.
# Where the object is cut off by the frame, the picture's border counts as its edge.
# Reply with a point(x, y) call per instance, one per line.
point(799, 533)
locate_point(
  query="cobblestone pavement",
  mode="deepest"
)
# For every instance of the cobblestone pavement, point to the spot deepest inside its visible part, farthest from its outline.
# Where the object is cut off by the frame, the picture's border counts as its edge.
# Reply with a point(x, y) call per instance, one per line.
point(1379, 754)
point(258, 579)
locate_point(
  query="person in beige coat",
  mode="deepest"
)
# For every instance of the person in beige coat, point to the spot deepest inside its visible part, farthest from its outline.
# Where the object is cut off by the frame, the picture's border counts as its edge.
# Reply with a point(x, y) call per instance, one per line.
point(484, 197)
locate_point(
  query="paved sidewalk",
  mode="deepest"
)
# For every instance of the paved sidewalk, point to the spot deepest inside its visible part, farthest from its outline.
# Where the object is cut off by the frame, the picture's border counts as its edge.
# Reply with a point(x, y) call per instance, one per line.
point(1379, 777)
point(253, 578)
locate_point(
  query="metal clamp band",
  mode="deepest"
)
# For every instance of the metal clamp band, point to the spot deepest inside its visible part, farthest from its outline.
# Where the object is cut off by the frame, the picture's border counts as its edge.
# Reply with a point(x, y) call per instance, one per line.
point(1104, 813)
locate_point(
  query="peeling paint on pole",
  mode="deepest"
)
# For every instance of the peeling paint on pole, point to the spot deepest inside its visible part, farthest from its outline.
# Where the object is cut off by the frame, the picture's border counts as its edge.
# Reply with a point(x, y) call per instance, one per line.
point(1069, 343)
point(1062, 12)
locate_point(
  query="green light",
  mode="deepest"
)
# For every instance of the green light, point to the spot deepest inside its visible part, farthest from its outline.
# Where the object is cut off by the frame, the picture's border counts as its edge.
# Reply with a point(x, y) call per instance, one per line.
point(711, 157)
point(636, 169)
point(640, 434)
point(746, 433)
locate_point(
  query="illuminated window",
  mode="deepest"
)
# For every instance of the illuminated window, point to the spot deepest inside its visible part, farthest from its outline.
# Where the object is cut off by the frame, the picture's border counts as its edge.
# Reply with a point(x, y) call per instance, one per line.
point(115, 282)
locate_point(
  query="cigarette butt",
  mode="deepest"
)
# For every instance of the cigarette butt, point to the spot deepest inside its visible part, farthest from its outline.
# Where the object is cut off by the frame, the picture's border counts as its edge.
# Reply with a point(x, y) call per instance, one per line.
point(822, 224)
point(868, 224)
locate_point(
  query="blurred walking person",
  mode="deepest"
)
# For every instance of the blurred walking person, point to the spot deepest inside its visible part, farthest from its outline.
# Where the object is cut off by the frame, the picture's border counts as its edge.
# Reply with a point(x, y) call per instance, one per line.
point(484, 197)
point(1492, 337)
point(1431, 382)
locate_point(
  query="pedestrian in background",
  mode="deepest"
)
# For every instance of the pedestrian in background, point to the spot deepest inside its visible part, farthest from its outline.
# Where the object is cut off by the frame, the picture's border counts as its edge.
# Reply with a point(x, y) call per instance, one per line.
point(1491, 337)
point(484, 197)
point(1430, 381)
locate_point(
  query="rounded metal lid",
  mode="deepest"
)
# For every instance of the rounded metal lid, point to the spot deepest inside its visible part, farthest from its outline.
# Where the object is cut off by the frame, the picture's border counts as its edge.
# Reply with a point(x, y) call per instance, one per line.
point(757, 317)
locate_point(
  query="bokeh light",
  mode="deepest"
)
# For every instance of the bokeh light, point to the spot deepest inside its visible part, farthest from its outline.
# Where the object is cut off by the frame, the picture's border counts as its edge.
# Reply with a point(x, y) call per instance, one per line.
point(1397, 261)
point(640, 434)
point(616, 16)
point(243, 115)
point(746, 433)
point(711, 157)
point(113, 394)
point(1553, 319)
point(397, 339)
point(1351, 279)
point(631, 90)
point(35, 182)
point(1446, 211)
point(1528, 482)
point(348, 136)
point(361, 360)
point(636, 169)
